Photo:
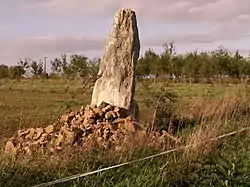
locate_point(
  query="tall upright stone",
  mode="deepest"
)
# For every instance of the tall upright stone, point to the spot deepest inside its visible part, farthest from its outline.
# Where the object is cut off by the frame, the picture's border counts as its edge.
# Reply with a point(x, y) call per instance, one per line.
point(116, 82)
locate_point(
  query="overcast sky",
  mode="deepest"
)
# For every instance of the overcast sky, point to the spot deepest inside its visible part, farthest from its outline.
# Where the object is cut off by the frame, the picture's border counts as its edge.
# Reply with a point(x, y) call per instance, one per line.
point(38, 28)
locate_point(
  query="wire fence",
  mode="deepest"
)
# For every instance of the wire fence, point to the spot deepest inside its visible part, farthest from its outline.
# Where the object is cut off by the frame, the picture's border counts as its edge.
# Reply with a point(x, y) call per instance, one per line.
point(77, 176)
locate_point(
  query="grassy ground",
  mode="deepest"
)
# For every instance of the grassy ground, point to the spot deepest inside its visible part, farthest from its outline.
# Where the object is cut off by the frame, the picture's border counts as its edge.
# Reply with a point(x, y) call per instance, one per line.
point(211, 109)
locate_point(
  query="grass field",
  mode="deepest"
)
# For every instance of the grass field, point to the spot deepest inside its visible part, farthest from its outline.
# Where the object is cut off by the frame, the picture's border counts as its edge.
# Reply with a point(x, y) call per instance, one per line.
point(210, 109)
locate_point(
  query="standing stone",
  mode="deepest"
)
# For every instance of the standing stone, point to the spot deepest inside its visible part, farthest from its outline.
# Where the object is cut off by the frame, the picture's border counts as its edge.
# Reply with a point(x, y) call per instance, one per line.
point(116, 82)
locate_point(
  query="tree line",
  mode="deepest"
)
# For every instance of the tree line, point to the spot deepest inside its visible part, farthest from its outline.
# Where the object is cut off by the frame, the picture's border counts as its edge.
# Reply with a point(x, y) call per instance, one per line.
point(191, 66)
point(77, 66)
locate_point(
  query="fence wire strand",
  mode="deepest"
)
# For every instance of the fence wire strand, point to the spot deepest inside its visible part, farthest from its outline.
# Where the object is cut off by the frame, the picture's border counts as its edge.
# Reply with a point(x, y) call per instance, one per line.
point(77, 176)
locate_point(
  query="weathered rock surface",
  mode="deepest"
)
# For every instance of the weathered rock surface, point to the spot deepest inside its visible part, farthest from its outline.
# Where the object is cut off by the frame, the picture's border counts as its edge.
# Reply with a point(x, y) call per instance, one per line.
point(106, 126)
point(116, 82)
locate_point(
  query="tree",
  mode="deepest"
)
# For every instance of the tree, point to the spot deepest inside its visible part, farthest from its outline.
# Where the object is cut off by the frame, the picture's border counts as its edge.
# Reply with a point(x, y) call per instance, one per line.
point(78, 65)
point(36, 68)
point(235, 65)
point(56, 65)
point(178, 63)
point(191, 66)
point(24, 64)
point(207, 68)
point(167, 57)
point(144, 64)
point(148, 64)
point(93, 67)
point(59, 65)
point(4, 71)
point(65, 64)
point(16, 72)
point(221, 56)
point(164, 64)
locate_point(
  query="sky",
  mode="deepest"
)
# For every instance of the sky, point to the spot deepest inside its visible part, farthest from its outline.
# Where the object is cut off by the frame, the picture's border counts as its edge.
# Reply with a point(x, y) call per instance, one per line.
point(38, 28)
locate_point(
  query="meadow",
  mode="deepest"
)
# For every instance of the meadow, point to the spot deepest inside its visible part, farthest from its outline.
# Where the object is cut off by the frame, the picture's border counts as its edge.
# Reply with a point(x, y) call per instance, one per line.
point(200, 112)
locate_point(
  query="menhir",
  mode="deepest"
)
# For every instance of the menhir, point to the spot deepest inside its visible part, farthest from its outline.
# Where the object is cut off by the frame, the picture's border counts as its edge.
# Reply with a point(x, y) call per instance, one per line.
point(116, 77)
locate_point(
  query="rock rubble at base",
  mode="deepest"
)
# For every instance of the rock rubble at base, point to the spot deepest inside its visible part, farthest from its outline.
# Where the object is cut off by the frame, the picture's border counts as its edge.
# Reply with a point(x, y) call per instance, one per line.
point(105, 127)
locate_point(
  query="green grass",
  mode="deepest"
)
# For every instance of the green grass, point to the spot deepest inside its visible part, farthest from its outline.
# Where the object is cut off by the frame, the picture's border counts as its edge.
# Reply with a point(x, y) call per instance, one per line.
point(34, 103)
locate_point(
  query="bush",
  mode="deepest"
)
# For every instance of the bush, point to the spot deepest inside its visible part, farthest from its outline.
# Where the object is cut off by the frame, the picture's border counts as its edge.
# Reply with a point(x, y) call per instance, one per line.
point(162, 100)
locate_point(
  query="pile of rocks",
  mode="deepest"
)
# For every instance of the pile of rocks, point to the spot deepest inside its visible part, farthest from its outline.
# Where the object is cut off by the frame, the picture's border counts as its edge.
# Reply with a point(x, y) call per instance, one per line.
point(105, 126)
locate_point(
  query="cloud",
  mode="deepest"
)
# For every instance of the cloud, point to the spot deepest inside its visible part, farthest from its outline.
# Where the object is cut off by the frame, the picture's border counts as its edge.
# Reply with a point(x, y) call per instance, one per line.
point(37, 47)
point(54, 44)
point(166, 10)
point(72, 8)
point(229, 17)
point(222, 33)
